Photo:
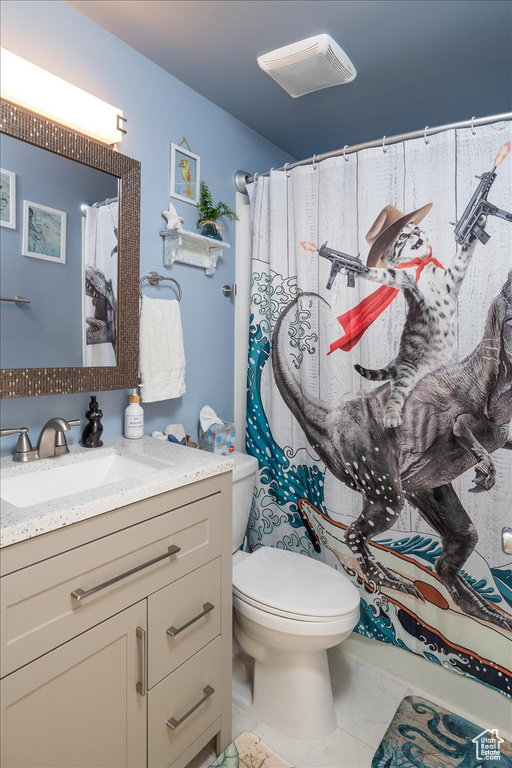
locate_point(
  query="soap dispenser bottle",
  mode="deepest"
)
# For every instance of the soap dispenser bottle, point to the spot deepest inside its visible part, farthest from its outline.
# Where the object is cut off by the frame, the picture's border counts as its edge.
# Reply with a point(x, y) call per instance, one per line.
point(93, 429)
point(134, 418)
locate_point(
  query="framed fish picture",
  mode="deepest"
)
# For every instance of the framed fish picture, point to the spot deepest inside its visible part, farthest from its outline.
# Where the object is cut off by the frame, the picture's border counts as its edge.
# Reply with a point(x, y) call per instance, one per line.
point(185, 174)
point(44, 232)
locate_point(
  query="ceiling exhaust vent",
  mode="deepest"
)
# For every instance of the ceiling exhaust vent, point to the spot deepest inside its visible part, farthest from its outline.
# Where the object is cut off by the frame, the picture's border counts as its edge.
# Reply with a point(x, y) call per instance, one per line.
point(308, 65)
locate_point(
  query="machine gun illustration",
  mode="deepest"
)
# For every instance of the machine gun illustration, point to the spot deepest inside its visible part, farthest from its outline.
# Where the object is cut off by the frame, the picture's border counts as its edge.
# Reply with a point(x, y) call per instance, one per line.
point(342, 261)
point(470, 223)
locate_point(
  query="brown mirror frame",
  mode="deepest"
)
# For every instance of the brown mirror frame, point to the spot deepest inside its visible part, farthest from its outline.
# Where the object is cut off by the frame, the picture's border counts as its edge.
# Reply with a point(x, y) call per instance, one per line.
point(31, 382)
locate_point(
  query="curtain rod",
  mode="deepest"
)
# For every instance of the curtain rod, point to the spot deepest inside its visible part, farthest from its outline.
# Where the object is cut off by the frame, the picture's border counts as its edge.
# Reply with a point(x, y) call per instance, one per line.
point(242, 178)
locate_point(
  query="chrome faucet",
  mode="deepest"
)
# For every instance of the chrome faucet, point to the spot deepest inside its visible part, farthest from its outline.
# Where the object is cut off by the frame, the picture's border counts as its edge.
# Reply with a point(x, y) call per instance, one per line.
point(51, 442)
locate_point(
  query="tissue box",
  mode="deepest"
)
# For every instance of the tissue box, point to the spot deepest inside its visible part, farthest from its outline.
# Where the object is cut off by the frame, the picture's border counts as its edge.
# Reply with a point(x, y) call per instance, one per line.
point(219, 438)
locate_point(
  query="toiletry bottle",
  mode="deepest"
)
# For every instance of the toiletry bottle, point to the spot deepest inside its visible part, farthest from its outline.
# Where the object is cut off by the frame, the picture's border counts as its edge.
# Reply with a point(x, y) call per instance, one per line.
point(134, 418)
point(93, 429)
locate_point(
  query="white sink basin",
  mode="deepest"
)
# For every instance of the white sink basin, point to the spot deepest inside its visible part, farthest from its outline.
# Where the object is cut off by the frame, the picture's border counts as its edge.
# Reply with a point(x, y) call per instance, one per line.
point(38, 486)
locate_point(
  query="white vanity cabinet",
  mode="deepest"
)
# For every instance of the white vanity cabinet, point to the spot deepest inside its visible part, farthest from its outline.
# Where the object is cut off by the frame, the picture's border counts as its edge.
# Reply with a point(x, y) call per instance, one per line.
point(77, 705)
point(116, 635)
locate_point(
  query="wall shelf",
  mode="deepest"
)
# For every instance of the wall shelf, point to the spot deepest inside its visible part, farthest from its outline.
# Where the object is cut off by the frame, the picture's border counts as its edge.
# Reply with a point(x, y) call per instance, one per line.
point(192, 248)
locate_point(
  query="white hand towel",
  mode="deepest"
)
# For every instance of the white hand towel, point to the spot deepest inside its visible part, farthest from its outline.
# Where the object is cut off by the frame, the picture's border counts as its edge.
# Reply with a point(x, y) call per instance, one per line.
point(162, 356)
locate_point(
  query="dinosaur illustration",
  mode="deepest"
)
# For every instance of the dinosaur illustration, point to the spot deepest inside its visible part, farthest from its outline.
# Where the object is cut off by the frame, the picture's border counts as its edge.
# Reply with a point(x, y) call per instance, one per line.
point(101, 327)
point(453, 420)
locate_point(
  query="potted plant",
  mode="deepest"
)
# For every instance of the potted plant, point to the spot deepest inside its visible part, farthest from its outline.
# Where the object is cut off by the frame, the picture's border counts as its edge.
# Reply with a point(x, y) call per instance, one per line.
point(209, 213)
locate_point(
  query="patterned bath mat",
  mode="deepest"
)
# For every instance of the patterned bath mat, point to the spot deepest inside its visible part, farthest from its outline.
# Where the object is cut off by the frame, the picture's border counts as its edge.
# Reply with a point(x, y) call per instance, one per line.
point(249, 751)
point(424, 735)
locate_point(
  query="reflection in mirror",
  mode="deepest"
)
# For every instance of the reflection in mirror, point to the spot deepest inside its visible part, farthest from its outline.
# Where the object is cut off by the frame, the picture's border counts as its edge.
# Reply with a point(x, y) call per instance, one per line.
point(99, 262)
point(70, 221)
point(62, 256)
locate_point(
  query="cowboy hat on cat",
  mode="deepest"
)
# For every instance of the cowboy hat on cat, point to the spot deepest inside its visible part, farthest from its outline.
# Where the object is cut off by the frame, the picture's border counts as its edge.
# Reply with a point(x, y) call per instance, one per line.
point(387, 227)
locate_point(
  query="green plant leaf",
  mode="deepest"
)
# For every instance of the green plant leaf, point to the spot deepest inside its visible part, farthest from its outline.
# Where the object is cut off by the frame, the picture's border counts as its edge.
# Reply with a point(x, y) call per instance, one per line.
point(208, 210)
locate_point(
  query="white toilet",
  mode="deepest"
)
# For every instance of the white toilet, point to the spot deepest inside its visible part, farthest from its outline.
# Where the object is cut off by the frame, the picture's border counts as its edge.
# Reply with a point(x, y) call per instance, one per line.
point(289, 609)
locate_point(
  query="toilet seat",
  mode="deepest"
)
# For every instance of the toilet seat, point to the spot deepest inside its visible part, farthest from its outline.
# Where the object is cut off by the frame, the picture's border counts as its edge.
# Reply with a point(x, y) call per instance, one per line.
point(309, 618)
point(293, 586)
point(298, 626)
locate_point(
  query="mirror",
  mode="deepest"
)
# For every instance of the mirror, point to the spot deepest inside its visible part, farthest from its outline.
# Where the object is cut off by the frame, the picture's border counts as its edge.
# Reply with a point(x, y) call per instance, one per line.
point(61, 255)
point(70, 225)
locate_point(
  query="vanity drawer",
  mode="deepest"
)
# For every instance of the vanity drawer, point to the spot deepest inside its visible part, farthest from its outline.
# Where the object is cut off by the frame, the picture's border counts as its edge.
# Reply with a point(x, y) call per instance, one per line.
point(182, 619)
point(175, 701)
point(38, 611)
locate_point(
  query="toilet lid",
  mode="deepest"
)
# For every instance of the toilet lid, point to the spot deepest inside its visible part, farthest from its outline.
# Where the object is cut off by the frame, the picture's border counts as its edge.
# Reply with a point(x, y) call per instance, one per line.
point(287, 582)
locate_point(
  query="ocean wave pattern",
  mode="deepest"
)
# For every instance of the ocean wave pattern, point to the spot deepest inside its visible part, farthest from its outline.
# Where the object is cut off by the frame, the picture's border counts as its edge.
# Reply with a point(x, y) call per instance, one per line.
point(276, 519)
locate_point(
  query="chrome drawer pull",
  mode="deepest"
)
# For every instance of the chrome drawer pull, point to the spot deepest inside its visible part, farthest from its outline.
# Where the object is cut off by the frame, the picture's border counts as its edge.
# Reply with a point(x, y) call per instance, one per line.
point(141, 685)
point(80, 594)
point(173, 723)
point(173, 631)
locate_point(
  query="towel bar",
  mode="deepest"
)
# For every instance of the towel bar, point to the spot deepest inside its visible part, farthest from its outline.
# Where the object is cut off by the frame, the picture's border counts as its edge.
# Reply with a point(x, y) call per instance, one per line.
point(18, 300)
point(154, 278)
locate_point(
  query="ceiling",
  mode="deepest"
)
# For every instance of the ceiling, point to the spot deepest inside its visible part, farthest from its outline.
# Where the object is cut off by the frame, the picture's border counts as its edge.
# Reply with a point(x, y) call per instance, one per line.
point(419, 62)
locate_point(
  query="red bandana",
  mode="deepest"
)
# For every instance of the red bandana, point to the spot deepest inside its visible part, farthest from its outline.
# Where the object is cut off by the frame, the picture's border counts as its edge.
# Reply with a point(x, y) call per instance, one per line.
point(357, 320)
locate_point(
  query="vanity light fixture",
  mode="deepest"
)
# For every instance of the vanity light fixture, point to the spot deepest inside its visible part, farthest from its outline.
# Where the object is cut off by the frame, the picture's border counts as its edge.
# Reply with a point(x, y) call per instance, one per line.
point(37, 90)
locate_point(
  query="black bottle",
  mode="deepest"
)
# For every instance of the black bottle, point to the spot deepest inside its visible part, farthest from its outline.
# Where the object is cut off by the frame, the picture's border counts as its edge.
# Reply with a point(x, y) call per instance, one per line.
point(93, 429)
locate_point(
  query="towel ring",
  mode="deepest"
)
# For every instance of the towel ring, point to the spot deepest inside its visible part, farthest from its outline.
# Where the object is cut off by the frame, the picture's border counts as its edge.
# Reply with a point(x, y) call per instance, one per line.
point(154, 278)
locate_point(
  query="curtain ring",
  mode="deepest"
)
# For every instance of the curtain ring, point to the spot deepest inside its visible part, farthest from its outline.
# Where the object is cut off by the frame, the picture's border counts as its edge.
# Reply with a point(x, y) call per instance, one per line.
point(255, 177)
point(315, 164)
point(344, 153)
point(384, 148)
point(425, 135)
point(284, 169)
point(271, 170)
point(472, 126)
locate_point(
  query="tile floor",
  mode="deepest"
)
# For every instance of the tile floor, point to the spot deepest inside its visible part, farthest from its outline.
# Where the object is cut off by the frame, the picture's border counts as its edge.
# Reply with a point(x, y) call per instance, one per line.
point(340, 750)
point(364, 718)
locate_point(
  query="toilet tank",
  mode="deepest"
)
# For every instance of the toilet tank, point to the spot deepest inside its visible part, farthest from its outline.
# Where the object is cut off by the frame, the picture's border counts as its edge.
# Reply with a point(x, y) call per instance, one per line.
point(243, 483)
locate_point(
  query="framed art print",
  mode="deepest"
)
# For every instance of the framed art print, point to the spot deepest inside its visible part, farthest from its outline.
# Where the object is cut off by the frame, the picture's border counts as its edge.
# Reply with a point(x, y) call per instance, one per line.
point(185, 175)
point(44, 232)
point(7, 199)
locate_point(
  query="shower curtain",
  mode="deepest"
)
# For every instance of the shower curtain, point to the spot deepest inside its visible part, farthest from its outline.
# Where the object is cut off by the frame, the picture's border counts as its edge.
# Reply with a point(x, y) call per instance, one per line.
point(310, 422)
point(100, 258)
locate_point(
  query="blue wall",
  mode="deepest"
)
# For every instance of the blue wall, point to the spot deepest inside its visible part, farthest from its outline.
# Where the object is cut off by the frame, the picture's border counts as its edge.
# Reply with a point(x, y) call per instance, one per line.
point(160, 110)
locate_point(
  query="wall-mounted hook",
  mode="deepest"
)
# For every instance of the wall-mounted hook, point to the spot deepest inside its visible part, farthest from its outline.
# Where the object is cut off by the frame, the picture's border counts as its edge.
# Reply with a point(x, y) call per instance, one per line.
point(184, 141)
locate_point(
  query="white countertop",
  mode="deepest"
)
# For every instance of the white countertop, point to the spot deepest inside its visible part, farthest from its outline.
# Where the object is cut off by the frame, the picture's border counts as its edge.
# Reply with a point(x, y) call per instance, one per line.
point(184, 466)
